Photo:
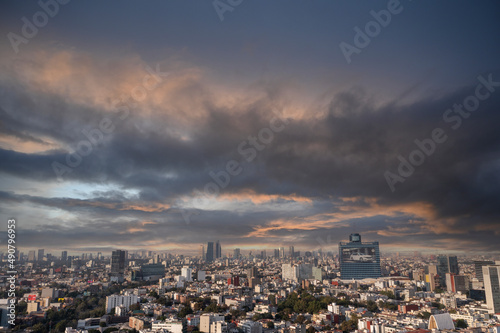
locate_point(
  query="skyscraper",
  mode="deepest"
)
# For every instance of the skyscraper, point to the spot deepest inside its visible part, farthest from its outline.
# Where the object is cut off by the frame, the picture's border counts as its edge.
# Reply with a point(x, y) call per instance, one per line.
point(187, 273)
point(118, 259)
point(236, 253)
point(291, 252)
point(491, 276)
point(359, 260)
point(64, 255)
point(41, 254)
point(202, 252)
point(478, 268)
point(218, 250)
point(446, 264)
point(252, 272)
point(210, 252)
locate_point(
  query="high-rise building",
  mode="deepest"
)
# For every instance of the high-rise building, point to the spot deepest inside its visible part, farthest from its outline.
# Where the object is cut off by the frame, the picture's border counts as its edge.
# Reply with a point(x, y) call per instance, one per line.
point(457, 283)
point(291, 252)
point(41, 254)
point(236, 253)
point(478, 268)
point(446, 264)
point(210, 255)
point(31, 255)
point(252, 272)
point(202, 252)
point(282, 252)
point(491, 275)
point(218, 250)
point(276, 253)
point(299, 272)
point(359, 260)
point(120, 300)
point(64, 255)
point(186, 272)
point(207, 319)
point(118, 260)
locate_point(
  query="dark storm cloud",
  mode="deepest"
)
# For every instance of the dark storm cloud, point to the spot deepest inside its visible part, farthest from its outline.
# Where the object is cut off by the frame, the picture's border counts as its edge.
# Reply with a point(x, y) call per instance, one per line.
point(323, 174)
point(344, 154)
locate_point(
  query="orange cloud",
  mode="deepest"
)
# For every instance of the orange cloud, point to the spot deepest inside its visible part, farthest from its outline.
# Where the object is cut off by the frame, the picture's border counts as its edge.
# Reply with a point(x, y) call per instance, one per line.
point(259, 198)
point(359, 207)
point(143, 207)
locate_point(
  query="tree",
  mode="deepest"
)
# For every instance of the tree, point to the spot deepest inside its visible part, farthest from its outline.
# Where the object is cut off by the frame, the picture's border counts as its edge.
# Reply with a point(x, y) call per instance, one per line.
point(211, 308)
point(424, 315)
point(21, 307)
point(270, 324)
point(388, 293)
point(300, 319)
point(135, 307)
point(350, 325)
point(311, 329)
point(372, 306)
point(460, 323)
point(61, 326)
point(39, 328)
point(110, 329)
point(185, 311)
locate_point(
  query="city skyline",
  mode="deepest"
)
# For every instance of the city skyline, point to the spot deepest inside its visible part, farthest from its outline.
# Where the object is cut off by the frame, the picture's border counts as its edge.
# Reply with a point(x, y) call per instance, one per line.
point(134, 132)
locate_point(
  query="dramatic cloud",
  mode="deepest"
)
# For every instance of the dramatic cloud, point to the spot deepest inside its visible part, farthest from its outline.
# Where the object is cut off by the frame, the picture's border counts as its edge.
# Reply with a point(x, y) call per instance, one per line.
point(166, 150)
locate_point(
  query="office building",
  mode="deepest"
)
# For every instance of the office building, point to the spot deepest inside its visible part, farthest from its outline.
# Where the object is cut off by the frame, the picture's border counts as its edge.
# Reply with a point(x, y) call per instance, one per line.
point(491, 274)
point(186, 272)
point(202, 252)
point(236, 253)
point(31, 256)
point(478, 268)
point(299, 272)
point(173, 326)
point(359, 260)
point(210, 255)
point(446, 264)
point(249, 326)
point(291, 252)
point(218, 250)
point(218, 327)
point(64, 256)
point(457, 283)
point(41, 254)
point(152, 272)
point(207, 319)
point(252, 272)
point(120, 300)
point(118, 262)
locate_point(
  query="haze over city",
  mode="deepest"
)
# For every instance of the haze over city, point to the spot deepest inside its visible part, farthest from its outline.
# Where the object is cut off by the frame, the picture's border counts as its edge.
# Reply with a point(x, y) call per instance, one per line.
point(166, 125)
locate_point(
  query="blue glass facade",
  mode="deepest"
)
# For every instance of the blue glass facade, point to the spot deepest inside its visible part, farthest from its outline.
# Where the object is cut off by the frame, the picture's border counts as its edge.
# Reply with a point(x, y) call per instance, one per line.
point(359, 260)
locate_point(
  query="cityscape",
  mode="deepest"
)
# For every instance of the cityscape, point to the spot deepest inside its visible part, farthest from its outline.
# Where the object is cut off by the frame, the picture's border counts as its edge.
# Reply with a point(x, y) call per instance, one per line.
point(249, 166)
point(286, 290)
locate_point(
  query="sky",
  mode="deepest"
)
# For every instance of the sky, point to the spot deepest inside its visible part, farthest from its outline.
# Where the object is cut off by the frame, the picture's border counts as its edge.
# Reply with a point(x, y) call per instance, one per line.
point(164, 125)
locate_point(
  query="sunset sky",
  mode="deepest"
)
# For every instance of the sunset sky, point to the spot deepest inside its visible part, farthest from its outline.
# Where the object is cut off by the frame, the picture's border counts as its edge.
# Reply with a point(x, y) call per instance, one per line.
point(116, 116)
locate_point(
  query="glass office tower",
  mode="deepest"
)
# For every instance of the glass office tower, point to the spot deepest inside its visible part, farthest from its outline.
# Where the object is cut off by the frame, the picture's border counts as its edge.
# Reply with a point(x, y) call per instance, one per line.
point(359, 260)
